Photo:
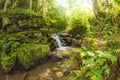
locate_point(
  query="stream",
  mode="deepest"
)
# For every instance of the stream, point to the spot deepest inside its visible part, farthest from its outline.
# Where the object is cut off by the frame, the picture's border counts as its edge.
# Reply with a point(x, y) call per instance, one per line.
point(49, 70)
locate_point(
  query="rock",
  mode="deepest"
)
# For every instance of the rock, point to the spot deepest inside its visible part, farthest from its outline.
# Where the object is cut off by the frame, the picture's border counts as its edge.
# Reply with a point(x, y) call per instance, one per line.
point(55, 69)
point(59, 74)
point(65, 35)
point(23, 24)
point(29, 55)
point(13, 28)
point(64, 51)
point(78, 32)
point(5, 21)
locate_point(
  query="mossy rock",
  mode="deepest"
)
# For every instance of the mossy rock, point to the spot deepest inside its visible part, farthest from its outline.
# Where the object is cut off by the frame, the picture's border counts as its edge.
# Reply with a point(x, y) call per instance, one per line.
point(78, 32)
point(5, 21)
point(29, 55)
point(8, 61)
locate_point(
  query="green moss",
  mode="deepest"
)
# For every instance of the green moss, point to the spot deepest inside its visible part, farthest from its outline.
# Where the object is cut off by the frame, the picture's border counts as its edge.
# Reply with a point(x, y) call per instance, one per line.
point(8, 61)
point(29, 54)
point(78, 32)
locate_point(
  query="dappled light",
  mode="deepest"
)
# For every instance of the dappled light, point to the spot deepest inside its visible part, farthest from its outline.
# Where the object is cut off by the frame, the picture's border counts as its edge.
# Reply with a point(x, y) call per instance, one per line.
point(59, 39)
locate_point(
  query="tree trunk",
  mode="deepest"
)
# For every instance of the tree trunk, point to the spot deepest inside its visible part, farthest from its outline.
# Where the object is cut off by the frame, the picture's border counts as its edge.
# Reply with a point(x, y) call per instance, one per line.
point(14, 3)
point(42, 11)
point(5, 5)
point(40, 7)
point(100, 22)
point(96, 10)
point(30, 5)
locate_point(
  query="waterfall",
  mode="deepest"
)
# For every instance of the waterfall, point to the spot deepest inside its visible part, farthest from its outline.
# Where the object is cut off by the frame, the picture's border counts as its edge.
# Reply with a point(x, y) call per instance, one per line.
point(57, 38)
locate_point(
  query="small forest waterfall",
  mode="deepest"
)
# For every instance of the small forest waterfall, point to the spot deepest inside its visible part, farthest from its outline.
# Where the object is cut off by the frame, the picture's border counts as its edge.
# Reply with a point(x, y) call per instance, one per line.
point(57, 38)
point(59, 42)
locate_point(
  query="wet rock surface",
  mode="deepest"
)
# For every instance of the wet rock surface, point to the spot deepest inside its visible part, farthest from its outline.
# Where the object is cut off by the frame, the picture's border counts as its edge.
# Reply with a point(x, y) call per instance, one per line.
point(47, 71)
point(55, 68)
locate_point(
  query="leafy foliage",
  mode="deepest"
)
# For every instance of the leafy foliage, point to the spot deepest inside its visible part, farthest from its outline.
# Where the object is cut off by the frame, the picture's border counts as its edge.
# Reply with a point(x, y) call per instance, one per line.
point(9, 44)
point(94, 65)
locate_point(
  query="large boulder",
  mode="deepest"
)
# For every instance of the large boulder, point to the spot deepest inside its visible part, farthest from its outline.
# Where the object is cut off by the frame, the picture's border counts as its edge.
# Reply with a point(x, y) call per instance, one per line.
point(13, 28)
point(24, 24)
point(78, 32)
point(29, 55)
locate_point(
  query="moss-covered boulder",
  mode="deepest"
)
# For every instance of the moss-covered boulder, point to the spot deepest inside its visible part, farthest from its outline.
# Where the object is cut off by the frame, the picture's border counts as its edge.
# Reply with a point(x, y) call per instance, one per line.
point(78, 32)
point(5, 21)
point(29, 55)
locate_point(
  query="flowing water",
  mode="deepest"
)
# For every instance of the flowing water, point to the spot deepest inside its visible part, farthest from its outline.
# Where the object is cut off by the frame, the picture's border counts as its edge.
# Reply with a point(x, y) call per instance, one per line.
point(59, 42)
point(47, 71)
point(57, 38)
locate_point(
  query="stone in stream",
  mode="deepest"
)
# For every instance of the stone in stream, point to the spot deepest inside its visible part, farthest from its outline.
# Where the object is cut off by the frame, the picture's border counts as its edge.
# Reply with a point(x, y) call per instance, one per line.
point(61, 53)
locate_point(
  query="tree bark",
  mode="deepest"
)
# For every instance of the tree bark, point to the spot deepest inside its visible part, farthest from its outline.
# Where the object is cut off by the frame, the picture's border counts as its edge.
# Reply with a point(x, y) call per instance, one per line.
point(5, 5)
point(14, 3)
point(96, 10)
point(38, 6)
point(41, 6)
point(30, 5)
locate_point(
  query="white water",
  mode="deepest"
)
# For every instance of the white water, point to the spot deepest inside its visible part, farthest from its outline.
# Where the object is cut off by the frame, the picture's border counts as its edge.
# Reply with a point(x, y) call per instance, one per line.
point(61, 48)
point(57, 38)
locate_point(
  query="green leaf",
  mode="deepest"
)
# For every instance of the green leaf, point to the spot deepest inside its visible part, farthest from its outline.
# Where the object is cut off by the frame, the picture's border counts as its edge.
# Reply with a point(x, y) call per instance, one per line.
point(89, 61)
point(94, 78)
point(107, 71)
point(110, 57)
point(100, 53)
point(100, 61)
point(90, 53)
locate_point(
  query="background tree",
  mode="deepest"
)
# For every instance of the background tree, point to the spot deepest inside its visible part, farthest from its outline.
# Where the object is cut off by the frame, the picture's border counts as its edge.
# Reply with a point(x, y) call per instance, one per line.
point(5, 5)
point(30, 5)
point(14, 4)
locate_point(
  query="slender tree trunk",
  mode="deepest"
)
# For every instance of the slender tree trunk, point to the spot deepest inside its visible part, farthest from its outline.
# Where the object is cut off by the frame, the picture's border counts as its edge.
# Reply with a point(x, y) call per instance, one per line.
point(40, 7)
point(42, 10)
point(14, 3)
point(30, 5)
point(38, 1)
point(100, 23)
point(5, 5)
point(96, 10)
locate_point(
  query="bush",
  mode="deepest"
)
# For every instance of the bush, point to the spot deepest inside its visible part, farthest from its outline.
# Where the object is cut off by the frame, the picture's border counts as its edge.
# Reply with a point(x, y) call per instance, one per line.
point(94, 65)
point(90, 43)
